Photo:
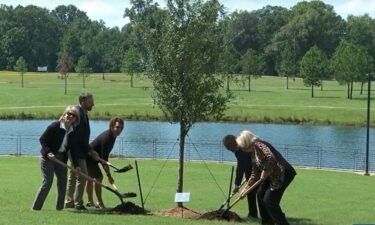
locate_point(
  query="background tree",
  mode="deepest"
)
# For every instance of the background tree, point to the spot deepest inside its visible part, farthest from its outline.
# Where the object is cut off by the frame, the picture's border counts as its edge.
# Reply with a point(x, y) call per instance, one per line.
point(251, 65)
point(64, 65)
point(131, 63)
point(182, 65)
point(360, 31)
point(21, 67)
point(227, 63)
point(83, 68)
point(312, 23)
point(271, 20)
point(351, 63)
point(314, 67)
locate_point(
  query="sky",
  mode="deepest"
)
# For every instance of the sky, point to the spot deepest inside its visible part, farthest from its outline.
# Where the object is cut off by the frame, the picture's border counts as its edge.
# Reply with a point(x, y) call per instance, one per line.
point(111, 11)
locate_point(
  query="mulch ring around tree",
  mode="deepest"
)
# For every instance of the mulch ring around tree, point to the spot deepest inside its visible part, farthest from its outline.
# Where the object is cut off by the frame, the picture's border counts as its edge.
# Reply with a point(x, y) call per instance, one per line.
point(128, 208)
point(221, 215)
point(181, 212)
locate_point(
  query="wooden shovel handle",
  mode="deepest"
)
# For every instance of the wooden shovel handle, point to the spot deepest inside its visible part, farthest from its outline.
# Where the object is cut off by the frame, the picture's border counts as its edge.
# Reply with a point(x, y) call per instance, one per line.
point(245, 193)
point(76, 171)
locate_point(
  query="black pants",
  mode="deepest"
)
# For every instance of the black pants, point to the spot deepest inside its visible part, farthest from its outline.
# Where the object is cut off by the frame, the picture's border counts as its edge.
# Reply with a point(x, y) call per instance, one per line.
point(269, 201)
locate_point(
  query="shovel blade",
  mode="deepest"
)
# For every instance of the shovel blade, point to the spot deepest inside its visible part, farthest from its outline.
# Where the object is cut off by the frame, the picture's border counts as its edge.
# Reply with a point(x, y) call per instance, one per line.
point(128, 195)
point(124, 169)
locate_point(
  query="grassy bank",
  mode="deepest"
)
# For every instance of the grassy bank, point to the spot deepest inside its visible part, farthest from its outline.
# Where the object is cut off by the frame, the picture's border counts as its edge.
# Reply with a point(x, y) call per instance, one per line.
point(268, 102)
point(315, 197)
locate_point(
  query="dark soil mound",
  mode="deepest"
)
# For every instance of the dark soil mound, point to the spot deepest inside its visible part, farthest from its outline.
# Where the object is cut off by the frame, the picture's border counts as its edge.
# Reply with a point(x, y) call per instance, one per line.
point(219, 215)
point(127, 208)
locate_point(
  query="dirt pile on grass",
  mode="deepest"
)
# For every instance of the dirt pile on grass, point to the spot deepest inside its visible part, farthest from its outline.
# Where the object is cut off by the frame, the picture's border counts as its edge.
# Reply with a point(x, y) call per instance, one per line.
point(179, 212)
point(220, 215)
point(127, 208)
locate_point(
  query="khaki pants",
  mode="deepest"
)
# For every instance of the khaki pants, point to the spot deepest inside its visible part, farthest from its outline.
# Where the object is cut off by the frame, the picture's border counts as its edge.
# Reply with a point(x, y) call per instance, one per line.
point(76, 186)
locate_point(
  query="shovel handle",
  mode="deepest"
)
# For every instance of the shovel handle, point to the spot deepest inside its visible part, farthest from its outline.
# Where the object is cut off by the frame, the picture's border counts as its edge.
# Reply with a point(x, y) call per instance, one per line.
point(79, 172)
point(245, 193)
point(104, 162)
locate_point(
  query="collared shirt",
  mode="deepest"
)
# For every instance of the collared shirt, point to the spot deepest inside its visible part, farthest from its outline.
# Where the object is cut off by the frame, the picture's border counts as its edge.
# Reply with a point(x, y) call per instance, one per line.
point(65, 140)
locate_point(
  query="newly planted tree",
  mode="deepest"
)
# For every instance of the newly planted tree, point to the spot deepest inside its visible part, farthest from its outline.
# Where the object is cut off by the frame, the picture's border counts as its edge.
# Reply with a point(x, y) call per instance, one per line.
point(64, 65)
point(251, 65)
point(21, 67)
point(314, 68)
point(183, 51)
point(131, 63)
point(83, 68)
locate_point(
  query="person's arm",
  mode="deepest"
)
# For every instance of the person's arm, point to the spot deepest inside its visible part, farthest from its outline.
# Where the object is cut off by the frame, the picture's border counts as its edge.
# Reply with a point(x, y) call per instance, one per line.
point(44, 141)
point(108, 173)
point(254, 177)
point(239, 173)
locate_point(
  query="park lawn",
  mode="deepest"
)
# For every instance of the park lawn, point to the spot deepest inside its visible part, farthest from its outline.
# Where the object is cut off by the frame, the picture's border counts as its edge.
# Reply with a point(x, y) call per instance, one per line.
point(269, 101)
point(315, 196)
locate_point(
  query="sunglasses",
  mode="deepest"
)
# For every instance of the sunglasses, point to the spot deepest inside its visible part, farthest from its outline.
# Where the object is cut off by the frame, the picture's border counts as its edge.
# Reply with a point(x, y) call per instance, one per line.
point(71, 114)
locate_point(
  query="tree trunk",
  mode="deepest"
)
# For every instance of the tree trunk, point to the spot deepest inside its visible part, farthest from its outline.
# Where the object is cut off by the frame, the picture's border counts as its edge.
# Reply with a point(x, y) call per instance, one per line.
point(103, 78)
point(131, 79)
point(22, 79)
point(361, 88)
point(249, 80)
point(66, 82)
point(312, 91)
point(83, 80)
point(321, 85)
point(228, 82)
point(351, 89)
point(180, 182)
point(287, 82)
point(348, 91)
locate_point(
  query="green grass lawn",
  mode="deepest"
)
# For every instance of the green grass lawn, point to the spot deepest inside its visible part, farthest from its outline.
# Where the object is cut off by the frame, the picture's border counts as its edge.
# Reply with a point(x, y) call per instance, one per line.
point(315, 196)
point(269, 101)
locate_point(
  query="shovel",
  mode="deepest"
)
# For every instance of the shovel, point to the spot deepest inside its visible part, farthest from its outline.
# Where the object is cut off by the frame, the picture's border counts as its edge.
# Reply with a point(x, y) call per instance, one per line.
point(116, 192)
point(117, 170)
point(245, 193)
point(229, 198)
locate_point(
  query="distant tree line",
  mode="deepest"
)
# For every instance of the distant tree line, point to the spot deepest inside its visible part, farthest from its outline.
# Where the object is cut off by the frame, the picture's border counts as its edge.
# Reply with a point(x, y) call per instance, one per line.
point(309, 40)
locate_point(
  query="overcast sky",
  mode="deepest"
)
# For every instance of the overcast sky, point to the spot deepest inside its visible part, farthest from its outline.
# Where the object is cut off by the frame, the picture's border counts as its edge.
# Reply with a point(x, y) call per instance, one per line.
point(111, 11)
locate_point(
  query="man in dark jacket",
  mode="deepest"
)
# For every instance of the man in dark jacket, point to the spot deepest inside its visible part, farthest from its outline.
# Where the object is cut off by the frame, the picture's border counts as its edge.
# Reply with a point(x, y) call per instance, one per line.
point(244, 166)
point(79, 153)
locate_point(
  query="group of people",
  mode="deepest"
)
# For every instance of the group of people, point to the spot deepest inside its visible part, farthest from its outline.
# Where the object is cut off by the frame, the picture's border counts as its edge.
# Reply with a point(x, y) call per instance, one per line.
point(260, 161)
point(67, 139)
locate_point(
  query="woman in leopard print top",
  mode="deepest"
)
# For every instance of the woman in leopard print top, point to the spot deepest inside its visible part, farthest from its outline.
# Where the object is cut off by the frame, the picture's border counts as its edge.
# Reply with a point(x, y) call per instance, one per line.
point(274, 171)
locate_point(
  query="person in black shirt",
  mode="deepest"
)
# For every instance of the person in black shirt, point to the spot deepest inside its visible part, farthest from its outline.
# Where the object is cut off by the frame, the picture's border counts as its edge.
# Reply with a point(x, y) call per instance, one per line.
point(244, 166)
point(103, 145)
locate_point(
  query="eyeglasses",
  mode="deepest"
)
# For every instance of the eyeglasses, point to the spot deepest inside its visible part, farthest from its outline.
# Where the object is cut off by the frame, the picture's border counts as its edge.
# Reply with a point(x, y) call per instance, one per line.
point(71, 114)
point(119, 127)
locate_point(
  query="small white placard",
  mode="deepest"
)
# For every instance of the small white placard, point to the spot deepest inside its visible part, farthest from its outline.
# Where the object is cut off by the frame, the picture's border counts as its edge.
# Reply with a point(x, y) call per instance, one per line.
point(182, 197)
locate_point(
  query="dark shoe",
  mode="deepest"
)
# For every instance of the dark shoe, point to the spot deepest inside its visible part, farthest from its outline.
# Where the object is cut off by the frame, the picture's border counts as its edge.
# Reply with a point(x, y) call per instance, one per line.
point(69, 205)
point(80, 207)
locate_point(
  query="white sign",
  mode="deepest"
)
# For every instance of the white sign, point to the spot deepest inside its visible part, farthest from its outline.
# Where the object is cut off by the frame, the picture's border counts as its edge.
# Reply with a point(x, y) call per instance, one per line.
point(42, 68)
point(182, 197)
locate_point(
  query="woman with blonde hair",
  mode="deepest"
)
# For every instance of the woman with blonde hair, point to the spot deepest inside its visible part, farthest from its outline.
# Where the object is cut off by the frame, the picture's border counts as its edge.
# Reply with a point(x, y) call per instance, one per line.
point(275, 173)
point(56, 141)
